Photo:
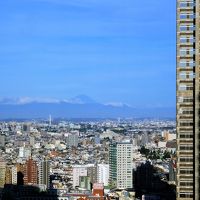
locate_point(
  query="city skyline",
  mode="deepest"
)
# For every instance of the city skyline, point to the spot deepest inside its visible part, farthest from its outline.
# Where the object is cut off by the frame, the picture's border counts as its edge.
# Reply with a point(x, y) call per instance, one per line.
point(61, 49)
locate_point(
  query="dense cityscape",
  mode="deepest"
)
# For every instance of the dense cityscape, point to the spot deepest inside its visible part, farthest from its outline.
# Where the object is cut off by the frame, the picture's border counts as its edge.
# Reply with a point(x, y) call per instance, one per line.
point(99, 100)
point(102, 159)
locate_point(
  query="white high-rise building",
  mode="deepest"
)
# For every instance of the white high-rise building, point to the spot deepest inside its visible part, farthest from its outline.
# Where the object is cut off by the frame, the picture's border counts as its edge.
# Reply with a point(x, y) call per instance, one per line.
point(121, 164)
point(103, 174)
point(124, 165)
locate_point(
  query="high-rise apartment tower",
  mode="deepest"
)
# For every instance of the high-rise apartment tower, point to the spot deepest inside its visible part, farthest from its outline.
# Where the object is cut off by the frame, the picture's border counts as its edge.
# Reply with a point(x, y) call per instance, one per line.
point(188, 99)
point(120, 161)
point(30, 172)
point(2, 173)
point(44, 173)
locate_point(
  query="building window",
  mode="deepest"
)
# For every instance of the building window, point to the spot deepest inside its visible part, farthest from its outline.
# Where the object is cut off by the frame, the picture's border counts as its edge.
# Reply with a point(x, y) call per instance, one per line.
point(186, 147)
point(186, 195)
point(187, 16)
point(186, 184)
point(184, 28)
point(185, 63)
point(186, 159)
point(186, 171)
point(184, 4)
point(182, 87)
point(186, 52)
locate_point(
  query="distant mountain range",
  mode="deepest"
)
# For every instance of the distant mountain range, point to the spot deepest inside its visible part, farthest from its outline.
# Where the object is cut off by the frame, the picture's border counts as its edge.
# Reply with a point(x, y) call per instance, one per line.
point(78, 107)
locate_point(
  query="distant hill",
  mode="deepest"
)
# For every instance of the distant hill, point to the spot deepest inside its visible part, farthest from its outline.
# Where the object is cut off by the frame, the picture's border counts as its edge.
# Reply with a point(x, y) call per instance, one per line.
point(78, 107)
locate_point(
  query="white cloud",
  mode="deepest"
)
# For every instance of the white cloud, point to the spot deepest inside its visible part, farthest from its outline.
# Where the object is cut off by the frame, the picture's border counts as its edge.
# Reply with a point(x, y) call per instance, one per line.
point(27, 100)
point(116, 104)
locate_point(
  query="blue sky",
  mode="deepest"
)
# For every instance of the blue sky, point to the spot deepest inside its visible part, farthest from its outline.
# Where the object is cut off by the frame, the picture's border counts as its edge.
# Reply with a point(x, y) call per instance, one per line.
point(110, 50)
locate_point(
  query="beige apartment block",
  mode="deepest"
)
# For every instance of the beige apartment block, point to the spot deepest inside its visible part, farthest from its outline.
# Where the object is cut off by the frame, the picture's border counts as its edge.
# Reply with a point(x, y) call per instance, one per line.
point(188, 97)
point(2, 173)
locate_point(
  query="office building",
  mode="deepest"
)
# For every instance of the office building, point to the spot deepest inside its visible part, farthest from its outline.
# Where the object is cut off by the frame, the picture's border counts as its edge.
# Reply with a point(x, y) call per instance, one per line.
point(2, 173)
point(8, 175)
point(103, 174)
point(78, 171)
point(72, 140)
point(188, 88)
point(113, 164)
point(121, 166)
point(30, 172)
point(26, 128)
point(11, 175)
point(2, 140)
point(89, 170)
point(44, 173)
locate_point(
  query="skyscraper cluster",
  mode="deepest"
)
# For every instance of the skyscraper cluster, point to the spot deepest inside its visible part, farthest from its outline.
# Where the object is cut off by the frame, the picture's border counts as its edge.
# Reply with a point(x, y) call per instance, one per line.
point(30, 173)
